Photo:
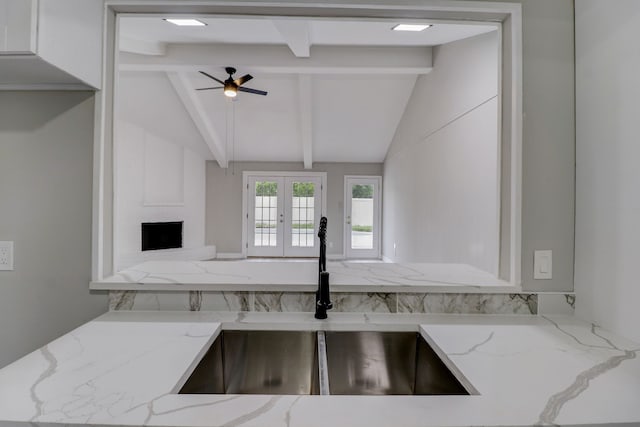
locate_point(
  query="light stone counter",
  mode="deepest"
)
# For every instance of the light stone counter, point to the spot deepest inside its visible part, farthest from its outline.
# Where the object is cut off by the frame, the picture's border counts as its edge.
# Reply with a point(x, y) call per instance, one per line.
point(302, 275)
point(124, 368)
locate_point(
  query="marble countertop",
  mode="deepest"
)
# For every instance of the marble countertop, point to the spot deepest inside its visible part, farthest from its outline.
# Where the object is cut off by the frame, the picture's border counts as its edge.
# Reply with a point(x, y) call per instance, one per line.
point(302, 275)
point(125, 367)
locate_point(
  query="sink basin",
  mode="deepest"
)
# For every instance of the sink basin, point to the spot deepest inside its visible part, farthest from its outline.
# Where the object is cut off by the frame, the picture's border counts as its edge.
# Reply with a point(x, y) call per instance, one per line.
point(386, 363)
point(324, 362)
point(258, 362)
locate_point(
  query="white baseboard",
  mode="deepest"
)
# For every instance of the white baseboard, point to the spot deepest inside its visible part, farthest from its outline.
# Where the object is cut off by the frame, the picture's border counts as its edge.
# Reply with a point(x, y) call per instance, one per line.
point(239, 255)
point(230, 255)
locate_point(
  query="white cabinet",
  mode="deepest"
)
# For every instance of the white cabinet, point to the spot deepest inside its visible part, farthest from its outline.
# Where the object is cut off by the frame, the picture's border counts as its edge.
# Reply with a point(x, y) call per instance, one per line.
point(51, 44)
point(18, 26)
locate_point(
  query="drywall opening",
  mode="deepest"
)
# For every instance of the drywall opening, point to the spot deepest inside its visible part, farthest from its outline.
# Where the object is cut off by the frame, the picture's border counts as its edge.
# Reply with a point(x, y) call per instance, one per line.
point(508, 130)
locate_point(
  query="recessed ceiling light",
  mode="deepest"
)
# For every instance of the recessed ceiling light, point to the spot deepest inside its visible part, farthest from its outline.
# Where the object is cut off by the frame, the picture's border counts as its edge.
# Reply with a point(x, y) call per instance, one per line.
point(411, 27)
point(185, 22)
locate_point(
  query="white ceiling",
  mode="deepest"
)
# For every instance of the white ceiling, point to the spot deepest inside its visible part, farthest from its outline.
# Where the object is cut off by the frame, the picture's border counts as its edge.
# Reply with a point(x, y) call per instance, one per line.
point(321, 32)
point(335, 116)
point(354, 119)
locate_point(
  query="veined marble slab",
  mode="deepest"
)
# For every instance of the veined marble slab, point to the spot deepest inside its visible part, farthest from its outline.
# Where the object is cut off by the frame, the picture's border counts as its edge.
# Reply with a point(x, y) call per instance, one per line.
point(288, 276)
point(124, 368)
point(363, 302)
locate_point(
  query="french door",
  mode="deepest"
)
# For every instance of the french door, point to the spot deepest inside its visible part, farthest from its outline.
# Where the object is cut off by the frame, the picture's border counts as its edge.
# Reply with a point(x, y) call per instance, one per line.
point(283, 215)
point(362, 216)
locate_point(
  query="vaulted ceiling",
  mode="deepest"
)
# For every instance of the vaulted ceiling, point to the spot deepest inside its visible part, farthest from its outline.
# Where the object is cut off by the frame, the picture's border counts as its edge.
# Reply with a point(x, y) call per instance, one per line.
point(336, 89)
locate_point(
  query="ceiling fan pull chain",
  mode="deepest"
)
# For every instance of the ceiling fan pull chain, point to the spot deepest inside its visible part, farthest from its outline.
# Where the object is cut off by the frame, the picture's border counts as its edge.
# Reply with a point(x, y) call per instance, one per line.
point(233, 141)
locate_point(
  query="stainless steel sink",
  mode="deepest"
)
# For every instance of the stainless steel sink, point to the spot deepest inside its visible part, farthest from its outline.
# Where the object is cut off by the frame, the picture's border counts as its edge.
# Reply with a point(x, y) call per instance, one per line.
point(309, 362)
point(385, 363)
point(258, 362)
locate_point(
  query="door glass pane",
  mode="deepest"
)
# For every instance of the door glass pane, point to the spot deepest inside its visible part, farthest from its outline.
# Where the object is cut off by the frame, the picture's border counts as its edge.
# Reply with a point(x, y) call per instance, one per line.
point(362, 216)
point(302, 215)
point(266, 215)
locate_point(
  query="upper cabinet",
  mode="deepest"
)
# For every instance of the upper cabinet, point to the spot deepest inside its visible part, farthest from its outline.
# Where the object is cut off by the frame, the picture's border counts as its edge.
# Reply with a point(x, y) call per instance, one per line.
point(18, 26)
point(51, 44)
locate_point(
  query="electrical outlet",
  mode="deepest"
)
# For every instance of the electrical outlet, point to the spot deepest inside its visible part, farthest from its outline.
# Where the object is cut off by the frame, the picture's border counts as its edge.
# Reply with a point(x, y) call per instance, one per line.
point(6, 255)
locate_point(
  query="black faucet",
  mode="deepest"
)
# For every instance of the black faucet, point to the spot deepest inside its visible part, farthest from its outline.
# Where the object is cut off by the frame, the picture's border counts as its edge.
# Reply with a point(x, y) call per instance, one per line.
point(323, 300)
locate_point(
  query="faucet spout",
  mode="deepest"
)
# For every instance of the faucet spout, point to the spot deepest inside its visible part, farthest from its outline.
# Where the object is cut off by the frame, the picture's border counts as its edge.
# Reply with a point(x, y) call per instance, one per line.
point(323, 294)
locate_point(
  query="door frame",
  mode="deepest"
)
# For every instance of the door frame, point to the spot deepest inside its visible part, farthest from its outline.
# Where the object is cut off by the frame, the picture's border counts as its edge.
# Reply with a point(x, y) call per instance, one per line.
point(245, 208)
point(377, 220)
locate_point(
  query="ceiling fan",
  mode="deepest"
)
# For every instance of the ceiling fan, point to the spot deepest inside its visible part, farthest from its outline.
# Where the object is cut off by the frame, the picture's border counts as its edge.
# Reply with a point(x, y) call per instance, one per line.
point(231, 86)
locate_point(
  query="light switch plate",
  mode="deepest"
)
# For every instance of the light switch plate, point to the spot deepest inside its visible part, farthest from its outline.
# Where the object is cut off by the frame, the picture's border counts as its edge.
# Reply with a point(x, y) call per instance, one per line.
point(6, 255)
point(543, 265)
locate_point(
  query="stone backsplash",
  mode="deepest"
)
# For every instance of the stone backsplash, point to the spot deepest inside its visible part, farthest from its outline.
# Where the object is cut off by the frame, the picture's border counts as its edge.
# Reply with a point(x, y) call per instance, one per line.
point(455, 303)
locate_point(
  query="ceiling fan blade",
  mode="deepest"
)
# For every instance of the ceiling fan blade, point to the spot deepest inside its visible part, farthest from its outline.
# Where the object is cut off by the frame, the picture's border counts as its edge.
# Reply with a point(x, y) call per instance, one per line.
point(254, 91)
point(209, 88)
point(242, 80)
point(211, 77)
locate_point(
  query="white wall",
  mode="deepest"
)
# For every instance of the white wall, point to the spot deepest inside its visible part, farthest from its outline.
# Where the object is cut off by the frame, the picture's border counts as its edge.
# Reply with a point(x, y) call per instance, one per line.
point(150, 101)
point(440, 201)
point(548, 133)
point(46, 159)
point(608, 177)
point(548, 151)
point(224, 199)
point(157, 180)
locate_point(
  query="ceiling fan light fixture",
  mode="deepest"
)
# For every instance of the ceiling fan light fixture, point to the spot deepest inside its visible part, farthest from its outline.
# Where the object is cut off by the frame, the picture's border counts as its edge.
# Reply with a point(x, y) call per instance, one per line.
point(411, 27)
point(230, 90)
point(232, 86)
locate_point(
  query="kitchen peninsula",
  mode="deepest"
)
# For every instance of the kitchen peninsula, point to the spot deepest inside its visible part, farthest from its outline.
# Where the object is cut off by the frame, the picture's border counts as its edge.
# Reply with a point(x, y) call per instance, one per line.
point(124, 368)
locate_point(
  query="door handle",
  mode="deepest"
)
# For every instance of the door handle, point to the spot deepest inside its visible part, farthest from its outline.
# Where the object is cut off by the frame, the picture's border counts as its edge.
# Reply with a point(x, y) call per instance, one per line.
point(349, 220)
